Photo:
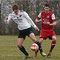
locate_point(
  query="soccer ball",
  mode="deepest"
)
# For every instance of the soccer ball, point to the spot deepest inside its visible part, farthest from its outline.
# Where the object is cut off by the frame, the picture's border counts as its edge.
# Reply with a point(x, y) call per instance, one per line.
point(34, 47)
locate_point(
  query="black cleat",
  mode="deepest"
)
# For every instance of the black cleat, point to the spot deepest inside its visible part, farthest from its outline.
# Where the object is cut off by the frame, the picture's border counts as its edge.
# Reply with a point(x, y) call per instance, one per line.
point(49, 54)
point(26, 57)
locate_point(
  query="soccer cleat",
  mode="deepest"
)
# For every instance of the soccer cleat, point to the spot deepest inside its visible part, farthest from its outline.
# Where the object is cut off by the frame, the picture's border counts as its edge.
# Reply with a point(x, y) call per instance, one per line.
point(43, 54)
point(27, 56)
point(36, 52)
point(49, 54)
point(35, 57)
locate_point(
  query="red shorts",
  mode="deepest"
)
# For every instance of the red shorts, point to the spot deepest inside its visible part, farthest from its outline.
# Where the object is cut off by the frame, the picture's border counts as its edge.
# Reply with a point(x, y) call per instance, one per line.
point(47, 34)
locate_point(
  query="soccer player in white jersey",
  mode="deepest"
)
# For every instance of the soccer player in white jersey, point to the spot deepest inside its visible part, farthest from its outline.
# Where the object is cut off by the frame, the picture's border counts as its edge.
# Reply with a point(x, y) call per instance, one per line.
point(24, 22)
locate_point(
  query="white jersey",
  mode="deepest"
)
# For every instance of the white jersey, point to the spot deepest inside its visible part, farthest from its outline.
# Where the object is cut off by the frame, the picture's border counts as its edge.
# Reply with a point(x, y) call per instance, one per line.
point(22, 19)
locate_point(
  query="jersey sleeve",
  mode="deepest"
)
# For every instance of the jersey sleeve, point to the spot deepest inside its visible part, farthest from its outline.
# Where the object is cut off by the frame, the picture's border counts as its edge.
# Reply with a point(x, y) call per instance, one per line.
point(39, 16)
point(53, 17)
point(29, 19)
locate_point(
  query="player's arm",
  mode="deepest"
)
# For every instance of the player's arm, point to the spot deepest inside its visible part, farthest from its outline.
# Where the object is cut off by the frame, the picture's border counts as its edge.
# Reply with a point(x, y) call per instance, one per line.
point(52, 24)
point(53, 21)
point(8, 18)
point(38, 19)
point(30, 21)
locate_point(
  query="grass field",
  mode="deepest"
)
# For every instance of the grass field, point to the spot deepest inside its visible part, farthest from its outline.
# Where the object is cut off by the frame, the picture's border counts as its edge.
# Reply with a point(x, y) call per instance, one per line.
point(9, 50)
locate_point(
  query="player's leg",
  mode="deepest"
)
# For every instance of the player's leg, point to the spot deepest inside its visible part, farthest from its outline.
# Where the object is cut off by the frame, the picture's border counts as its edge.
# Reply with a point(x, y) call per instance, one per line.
point(21, 38)
point(21, 48)
point(40, 41)
point(52, 45)
point(32, 36)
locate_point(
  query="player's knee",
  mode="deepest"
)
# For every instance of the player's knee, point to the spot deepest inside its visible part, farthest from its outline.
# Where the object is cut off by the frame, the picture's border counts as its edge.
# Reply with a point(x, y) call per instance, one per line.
point(54, 38)
point(41, 40)
point(34, 39)
point(18, 46)
point(32, 36)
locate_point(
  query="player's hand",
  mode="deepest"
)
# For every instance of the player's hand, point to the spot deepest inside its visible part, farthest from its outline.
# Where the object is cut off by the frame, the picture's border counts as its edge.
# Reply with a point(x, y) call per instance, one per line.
point(38, 20)
point(48, 23)
point(6, 17)
point(36, 28)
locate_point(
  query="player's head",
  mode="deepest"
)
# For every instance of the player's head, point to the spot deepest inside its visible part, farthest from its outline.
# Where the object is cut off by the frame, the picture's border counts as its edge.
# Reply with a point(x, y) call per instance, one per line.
point(15, 8)
point(46, 7)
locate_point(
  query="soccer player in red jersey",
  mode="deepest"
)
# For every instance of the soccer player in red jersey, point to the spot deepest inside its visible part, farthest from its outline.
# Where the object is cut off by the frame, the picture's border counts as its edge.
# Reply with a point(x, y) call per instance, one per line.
point(47, 20)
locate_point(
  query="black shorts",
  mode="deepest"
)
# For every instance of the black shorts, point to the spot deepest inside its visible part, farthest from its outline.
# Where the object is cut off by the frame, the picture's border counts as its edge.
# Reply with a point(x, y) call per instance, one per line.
point(24, 33)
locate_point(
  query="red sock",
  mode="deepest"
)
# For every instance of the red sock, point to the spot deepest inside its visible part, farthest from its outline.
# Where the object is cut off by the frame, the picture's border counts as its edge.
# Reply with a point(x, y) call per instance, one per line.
point(52, 45)
point(36, 53)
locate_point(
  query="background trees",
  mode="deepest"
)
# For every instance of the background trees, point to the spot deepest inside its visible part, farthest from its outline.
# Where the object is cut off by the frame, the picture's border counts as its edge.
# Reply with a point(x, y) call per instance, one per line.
point(32, 7)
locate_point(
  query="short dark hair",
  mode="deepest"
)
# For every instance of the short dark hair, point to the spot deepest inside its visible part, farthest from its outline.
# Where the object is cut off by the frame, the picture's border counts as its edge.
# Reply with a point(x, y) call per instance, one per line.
point(47, 5)
point(15, 7)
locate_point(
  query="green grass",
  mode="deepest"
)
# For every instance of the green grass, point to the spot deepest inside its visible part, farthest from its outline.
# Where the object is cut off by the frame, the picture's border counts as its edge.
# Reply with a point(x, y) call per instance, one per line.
point(9, 50)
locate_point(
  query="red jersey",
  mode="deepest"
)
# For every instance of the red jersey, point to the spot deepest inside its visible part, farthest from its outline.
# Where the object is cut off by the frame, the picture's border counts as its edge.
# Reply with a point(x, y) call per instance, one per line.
point(49, 17)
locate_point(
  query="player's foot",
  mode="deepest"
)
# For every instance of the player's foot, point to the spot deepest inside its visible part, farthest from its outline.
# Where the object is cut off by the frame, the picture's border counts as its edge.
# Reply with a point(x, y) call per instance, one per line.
point(49, 54)
point(43, 54)
point(35, 57)
point(26, 57)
